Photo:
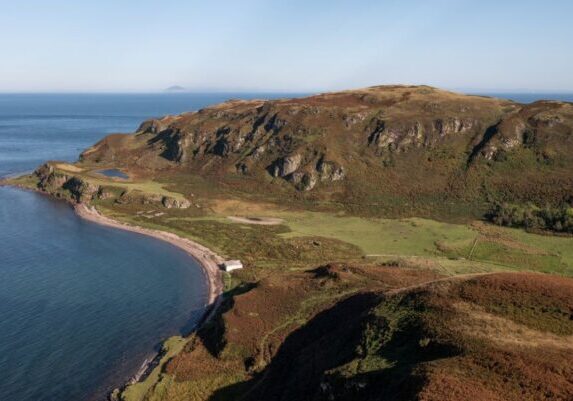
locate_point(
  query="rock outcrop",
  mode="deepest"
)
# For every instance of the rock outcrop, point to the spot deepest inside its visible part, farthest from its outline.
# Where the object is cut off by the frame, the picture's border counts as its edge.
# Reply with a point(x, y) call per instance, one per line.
point(352, 139)
point(169, 203)
point(81, 190)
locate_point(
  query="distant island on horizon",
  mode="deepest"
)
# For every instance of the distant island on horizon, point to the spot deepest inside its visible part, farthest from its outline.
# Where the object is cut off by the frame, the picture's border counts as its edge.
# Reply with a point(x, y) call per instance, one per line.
point(175, 88)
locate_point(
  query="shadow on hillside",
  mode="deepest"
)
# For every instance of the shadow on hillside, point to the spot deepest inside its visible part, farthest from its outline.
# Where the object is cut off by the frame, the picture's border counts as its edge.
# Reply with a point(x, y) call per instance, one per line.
point(212, 334)
point(300, 368)
point(489, 133)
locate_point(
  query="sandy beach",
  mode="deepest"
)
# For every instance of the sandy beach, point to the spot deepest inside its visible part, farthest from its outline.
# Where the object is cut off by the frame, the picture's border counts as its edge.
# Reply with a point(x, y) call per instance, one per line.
point(208, 260)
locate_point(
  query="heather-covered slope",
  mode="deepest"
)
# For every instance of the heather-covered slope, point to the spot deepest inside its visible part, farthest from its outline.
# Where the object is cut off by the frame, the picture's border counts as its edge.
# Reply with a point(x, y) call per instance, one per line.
point(506, 336)
point(494, 337)
point(368, 149)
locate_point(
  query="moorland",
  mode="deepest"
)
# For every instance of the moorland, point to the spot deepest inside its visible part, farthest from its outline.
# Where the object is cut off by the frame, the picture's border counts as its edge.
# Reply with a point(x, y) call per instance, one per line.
point(399, 243)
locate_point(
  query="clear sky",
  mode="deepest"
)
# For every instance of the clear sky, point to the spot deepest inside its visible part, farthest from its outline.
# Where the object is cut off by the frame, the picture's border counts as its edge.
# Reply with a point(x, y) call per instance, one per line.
point(290, 45)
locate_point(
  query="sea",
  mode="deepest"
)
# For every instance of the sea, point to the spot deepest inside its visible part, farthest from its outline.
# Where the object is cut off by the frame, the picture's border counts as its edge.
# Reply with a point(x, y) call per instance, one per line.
point(82, 306)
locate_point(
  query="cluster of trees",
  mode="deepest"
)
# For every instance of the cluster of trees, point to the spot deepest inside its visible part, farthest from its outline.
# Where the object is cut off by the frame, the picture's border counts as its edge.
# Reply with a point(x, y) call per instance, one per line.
point(529, 216)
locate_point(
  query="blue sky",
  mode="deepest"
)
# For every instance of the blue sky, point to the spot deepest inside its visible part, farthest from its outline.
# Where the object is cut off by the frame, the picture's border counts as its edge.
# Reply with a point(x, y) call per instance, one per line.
point(312, 45)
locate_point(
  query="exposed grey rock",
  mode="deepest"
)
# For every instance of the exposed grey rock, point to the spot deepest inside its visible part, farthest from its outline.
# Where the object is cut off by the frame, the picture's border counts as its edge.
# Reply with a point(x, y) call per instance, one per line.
point(44, 170)
point(152, 199)
point(397, 135)
point(275, 124)
point(303, 181)
point(124, 198)
point(308, 182)
point(286, 165)
point(546, 119)
point(49, 180)
point(511, 133)
point(173, 203)
point(453, 125)
point(80, 189)
point(258, 152)
point(330, 171)
point(176, 145)
point(155, 126)
point(402, 135)
point(53, 181)
point(242, 168)
point(353, 119)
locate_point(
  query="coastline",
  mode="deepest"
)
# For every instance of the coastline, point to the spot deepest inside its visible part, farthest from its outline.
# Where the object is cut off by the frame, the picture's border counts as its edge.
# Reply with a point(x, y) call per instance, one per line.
point(207, 259)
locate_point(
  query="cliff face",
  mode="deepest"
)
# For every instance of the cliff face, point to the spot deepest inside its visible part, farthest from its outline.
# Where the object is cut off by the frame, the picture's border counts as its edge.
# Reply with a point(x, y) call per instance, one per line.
point(78, 189)
point(395, 139)
point(65, 185)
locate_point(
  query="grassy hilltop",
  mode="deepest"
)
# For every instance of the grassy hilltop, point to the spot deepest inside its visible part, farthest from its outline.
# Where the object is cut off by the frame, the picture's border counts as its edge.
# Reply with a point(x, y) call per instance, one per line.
point(382, 235)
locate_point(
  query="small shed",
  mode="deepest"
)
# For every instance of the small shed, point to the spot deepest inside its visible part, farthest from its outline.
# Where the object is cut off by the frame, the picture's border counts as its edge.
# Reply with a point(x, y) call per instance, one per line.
point(230, 265)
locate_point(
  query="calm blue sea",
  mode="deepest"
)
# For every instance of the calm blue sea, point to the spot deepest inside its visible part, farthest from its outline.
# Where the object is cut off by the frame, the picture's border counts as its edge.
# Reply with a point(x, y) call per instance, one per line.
point(82, 306)
point(531, 97)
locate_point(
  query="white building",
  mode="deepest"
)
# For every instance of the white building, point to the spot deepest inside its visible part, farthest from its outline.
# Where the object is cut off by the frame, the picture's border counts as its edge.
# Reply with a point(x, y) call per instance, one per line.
point(230, 265)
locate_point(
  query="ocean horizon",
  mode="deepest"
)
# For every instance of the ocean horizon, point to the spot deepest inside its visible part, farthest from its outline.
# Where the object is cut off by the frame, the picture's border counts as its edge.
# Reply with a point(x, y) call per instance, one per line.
point(93, 301)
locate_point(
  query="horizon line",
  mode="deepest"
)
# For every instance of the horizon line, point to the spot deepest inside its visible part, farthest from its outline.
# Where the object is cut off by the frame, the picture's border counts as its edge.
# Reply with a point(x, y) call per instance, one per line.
point(468, 90)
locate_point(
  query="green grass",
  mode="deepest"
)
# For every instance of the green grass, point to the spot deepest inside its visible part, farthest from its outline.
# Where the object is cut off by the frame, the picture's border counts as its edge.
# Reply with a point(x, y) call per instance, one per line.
point(412, 237)
point(497, 253)
point(28, 181)
point(256, 245)
point(148, 186)
point(451, 248)
point(191, 390)
point(562, 246)
point(137, 391)
point(415, 237)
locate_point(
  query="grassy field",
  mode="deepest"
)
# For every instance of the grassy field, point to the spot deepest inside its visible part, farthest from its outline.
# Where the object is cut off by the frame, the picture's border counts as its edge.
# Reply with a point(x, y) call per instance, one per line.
point(306, 238)
point(146, 186)
point(452, 248)
point(412, 237)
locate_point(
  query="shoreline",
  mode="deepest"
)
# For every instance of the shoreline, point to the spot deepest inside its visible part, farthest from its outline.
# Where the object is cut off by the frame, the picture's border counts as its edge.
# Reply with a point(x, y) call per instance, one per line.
point(207, 259)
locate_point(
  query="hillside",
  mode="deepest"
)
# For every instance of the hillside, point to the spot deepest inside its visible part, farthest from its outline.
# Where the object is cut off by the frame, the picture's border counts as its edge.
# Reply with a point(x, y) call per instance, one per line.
point(489, 338)
point(483, 337)
point(370, 272)
point(389, 150)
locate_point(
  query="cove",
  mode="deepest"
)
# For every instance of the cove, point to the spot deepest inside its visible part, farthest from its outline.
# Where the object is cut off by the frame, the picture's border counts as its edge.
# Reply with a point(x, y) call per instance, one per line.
point(83, 305)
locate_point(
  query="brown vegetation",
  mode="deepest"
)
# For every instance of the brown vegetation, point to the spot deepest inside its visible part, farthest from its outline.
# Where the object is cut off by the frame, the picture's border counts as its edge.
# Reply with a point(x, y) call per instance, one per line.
point(394, 150)
point(448, 339)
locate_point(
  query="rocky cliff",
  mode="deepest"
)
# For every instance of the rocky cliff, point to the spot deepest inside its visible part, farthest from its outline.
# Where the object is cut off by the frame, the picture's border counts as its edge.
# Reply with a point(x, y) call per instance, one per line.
point(406, 141)
point(79, 189)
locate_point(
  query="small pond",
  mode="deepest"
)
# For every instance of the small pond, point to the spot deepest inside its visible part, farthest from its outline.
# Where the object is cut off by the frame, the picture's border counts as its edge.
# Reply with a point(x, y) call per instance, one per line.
point(114, 173)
